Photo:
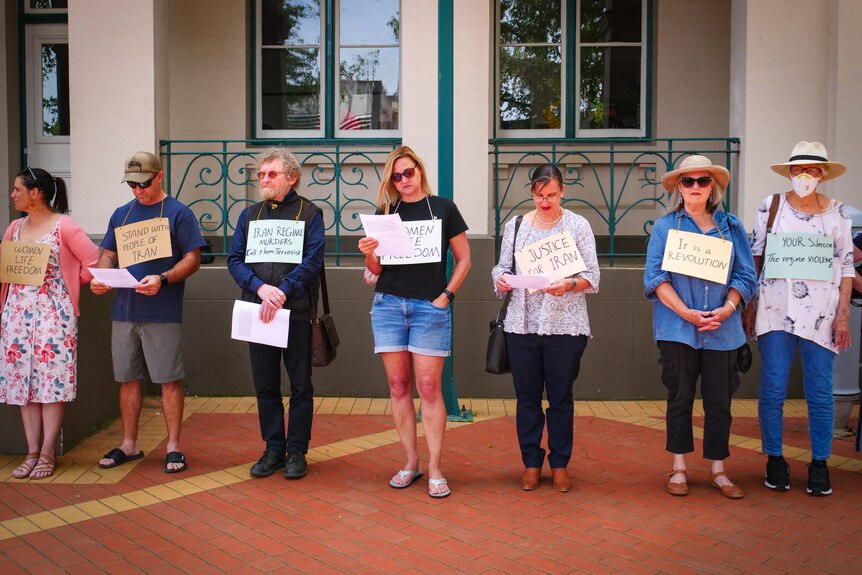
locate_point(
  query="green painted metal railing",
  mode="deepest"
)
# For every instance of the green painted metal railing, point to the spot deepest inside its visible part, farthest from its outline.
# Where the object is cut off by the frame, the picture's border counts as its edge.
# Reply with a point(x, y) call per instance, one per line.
point(620, 174)
point(217, 179)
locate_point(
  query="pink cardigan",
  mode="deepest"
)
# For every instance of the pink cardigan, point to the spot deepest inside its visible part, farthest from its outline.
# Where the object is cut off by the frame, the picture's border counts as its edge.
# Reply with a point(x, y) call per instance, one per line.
point(77, 253)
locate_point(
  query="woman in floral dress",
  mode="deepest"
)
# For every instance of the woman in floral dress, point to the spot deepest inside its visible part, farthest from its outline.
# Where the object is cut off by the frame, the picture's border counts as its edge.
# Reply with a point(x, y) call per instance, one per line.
point(39, 328)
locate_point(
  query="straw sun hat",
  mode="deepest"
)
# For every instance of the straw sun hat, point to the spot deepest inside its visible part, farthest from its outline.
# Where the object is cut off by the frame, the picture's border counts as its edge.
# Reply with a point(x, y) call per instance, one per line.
point(695, 164)
point(810, 154)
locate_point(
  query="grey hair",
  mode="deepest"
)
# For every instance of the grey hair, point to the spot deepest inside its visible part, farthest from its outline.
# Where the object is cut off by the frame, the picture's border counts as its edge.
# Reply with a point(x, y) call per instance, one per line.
point(288, 160)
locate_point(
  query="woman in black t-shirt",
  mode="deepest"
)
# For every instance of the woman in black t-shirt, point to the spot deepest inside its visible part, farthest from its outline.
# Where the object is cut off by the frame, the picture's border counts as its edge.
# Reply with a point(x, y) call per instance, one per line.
point(410, 315)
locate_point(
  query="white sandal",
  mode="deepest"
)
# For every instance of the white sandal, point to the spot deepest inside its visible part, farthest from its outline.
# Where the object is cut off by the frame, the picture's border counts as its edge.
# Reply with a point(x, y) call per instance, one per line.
point(405, 478)
point(439, 483)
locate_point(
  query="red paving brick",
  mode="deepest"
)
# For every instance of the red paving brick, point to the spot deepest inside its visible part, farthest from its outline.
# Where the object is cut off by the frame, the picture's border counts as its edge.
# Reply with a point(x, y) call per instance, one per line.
point(344, 518)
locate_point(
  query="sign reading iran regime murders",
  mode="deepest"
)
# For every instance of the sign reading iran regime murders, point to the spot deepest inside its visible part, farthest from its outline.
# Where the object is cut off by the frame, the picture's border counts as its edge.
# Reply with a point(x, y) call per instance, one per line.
point(697, 255)
point(143, 241)
point(556, 256)
point(426, 239)
point(799, 256)
point(24, 263)
point(275, 241)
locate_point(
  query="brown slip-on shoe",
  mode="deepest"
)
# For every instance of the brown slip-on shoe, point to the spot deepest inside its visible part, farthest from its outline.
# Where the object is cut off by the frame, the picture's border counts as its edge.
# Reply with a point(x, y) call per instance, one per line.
point(730, 491)
point(562, 481)
point(530, 478)
point(677, 488)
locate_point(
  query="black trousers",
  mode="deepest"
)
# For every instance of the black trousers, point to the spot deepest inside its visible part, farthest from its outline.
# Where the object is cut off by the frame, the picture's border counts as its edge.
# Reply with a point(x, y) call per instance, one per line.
point(266, 371)
point(681, 367)
point(545, 363)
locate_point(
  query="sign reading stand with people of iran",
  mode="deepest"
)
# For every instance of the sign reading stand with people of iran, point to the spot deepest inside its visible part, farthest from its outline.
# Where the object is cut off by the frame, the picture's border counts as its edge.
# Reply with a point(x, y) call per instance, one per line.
point(143, 241)
point(24, 263)
point(697, 255)
point(799, 256)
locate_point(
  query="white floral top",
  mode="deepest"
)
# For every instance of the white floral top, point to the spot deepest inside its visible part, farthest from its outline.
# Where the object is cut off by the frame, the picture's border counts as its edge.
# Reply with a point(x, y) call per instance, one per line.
point(540, 313)
point(803, 307)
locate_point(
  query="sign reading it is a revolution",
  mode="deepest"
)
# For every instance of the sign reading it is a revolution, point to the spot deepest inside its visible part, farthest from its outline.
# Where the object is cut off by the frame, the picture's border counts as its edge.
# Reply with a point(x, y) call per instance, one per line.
point(697, 255)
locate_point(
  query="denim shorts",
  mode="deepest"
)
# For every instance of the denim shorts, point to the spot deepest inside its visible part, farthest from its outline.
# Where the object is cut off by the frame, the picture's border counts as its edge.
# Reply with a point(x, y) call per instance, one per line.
point(407, 324)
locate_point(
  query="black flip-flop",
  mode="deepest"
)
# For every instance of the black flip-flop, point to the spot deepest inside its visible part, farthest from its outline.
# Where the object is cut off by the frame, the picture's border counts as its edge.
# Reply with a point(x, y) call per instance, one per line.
point(119, 457)
point(175, 457)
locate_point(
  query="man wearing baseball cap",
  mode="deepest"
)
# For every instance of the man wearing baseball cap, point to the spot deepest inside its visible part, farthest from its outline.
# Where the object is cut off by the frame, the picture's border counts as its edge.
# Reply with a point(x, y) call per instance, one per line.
point(157, 239)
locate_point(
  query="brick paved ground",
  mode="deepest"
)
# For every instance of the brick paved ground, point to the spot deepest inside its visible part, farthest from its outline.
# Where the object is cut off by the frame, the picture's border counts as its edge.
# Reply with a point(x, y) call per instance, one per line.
point(344, 518)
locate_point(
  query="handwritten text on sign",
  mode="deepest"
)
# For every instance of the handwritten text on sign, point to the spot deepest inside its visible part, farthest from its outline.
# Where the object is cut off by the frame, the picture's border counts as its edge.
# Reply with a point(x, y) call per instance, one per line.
point(697, 255)
point(556, 256)
point(275, 241)
point(143, 241)
point(799, 256)
point(425, 236)
point(24, 263)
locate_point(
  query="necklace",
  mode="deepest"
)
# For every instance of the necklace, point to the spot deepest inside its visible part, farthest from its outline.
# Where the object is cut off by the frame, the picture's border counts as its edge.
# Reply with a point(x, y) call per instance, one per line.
point(550, 223)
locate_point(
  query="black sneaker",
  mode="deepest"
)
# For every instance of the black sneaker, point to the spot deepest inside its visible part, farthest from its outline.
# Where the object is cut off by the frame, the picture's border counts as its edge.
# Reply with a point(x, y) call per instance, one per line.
point(777, 473)
point(818, 478)
point(267, 464)
point(296, 467)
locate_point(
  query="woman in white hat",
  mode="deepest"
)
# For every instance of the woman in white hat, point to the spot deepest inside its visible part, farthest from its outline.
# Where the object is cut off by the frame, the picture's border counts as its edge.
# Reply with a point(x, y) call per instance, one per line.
point(696, 322)
point(804, 309)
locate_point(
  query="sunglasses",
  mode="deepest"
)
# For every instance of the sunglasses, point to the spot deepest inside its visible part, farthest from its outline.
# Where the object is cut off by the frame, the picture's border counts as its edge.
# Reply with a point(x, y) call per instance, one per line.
point(797, 170)
point(408, 173)
point(272, 174)
point(142, 185)
point(702, 182)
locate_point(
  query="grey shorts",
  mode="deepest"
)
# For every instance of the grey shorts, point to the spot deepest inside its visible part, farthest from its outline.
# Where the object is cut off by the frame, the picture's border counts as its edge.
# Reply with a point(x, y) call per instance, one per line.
point(139, 348)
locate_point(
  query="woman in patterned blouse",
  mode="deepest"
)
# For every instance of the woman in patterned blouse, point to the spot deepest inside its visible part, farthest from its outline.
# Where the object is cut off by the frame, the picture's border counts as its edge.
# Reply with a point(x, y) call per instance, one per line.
point(546, 330)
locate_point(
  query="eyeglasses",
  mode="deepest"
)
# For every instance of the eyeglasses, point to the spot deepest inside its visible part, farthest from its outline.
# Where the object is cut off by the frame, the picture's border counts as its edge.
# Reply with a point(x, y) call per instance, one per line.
point(142, 185)
point(272, 174)
point(549, 197)
point(702, 182)
point(812, 171)
point(408, 173)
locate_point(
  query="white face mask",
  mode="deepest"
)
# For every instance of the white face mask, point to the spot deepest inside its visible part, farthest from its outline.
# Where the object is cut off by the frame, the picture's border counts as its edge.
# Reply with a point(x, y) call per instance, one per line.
point(804, 184)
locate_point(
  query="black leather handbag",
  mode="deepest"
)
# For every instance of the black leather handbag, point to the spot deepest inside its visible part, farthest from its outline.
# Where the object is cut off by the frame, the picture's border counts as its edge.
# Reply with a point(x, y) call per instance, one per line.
point(324, 337)
point(497, 355)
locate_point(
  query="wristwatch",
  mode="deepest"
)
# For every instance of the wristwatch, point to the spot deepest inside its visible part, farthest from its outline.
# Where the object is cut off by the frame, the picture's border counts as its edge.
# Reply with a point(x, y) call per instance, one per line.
point(450, 295)
point(164, 279)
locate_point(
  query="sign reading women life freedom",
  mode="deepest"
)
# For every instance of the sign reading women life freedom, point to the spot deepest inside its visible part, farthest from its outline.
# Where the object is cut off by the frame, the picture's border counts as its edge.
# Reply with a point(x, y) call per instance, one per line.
point(697, 255)
point(143, 241)
point(799, 255)
point(275, 241)
point(556, 256)
point(24, 263)
point(426, 239)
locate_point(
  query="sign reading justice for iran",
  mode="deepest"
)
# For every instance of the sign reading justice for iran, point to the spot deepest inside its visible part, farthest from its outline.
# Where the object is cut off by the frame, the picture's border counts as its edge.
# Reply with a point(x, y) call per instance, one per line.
point(556, 256)
point(697, 255)
point(24, 263)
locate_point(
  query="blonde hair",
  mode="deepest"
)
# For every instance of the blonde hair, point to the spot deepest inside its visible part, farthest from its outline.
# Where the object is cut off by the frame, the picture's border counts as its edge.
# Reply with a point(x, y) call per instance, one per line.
point(288, 160)
point(716, 196)
point(388, 193)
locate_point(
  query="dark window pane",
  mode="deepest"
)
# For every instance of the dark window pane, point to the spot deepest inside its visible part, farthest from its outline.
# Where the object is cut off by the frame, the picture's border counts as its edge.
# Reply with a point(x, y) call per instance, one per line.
point(290, 23)
point(529, 21)
point(55, 89)
point(369, 22)
point(290, 85)
point(610, 88)
point(530, 92)
point(49, 4)
point(610, 21)
point(369, 89)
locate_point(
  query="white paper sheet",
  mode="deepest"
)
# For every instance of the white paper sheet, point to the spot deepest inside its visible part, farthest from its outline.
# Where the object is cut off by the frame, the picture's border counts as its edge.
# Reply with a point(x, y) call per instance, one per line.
point(114, 277)
point(540, 281)
point(389, 230)
point(246, 325)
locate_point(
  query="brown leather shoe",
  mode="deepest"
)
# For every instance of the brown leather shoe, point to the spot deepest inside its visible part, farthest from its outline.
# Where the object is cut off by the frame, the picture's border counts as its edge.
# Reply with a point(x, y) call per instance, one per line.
point(530, 478)
point(677, 488)
point(731, 491)
point(562, 481)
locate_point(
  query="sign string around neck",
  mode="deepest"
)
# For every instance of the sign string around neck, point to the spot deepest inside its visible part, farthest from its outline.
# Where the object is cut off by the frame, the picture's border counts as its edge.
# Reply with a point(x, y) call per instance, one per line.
point(161, 210)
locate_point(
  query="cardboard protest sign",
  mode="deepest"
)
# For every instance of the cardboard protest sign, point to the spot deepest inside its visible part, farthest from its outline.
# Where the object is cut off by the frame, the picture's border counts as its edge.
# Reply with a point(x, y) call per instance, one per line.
point(143, 241)
point(426, 239)
point(556, 256)
point(799, 256)
point(275, 241)
point(24, 263)
point(697, 255)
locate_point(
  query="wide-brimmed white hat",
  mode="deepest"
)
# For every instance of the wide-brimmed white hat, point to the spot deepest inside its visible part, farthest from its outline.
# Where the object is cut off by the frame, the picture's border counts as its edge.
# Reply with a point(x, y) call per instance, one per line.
point(695, 164)
point(810, 154)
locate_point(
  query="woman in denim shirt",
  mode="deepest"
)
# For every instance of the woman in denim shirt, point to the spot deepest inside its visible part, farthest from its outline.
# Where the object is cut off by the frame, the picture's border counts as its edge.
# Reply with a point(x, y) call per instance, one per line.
point(697, 323)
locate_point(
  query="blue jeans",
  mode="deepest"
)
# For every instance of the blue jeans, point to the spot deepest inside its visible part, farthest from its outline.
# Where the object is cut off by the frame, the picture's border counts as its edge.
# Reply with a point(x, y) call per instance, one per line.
point(407, 324)
point(777, 350)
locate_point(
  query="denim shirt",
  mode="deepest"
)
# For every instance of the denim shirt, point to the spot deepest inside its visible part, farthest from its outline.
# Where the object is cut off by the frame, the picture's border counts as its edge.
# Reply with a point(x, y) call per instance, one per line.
point(696, 293)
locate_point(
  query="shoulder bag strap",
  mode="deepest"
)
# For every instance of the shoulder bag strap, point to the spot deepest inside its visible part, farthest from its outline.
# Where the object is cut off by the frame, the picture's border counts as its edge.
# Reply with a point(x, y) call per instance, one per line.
point(773, 211)
point(502, 315)
point(323, 293)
